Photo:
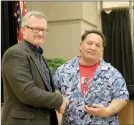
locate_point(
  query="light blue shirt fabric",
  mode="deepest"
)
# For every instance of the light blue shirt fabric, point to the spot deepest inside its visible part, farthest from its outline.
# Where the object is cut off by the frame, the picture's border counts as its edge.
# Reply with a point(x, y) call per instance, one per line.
point(106, 84)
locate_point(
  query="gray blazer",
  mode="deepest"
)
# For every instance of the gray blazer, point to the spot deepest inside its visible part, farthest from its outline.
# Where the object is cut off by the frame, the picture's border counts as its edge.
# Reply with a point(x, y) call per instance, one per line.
point(27, 99)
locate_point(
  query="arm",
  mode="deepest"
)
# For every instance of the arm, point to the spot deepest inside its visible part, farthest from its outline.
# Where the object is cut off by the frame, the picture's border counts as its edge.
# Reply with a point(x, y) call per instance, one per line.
point(16, 69)
point(100, 110)
point(119, 100)
point(120, 95)
point(57, 83)
point(116, 106)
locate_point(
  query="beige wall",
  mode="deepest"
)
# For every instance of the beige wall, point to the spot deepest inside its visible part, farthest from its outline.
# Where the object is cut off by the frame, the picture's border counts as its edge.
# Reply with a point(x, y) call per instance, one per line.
point(90, 16)
point(63, 39)
point(126, 116)
point(67, 21)
point(90, 12)
point(86, 25)
point(58, 11)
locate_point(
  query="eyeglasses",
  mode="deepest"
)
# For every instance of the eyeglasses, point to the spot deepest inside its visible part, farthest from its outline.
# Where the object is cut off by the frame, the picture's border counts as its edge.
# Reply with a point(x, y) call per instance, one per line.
point(36, 30)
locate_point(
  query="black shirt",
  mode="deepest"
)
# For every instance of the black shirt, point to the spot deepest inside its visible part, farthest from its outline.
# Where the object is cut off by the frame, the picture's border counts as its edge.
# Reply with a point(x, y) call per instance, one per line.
point(38, 51)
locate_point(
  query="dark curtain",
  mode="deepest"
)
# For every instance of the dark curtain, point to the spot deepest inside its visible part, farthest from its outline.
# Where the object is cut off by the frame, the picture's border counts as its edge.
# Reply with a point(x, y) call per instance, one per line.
point(116, 27)
point(8, 30)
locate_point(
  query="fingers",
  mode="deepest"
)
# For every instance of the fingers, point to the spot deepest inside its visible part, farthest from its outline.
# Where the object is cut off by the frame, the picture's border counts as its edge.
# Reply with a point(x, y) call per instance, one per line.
point(61, 110)
point(96, 109)
point(66, 100)
point(97, 105)
point(90, 110)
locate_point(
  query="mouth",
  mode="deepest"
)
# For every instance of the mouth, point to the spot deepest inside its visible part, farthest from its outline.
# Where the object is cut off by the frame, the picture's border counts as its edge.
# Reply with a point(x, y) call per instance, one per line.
point(39, 38)
point(91, 53)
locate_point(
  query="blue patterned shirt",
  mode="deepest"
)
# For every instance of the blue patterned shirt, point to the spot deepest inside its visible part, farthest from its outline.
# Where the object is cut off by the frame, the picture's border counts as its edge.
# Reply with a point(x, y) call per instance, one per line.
point(106, 84)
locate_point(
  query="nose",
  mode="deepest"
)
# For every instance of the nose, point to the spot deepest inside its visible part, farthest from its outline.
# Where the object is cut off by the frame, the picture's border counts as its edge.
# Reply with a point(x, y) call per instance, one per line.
point(41, 32)
point(93, 47)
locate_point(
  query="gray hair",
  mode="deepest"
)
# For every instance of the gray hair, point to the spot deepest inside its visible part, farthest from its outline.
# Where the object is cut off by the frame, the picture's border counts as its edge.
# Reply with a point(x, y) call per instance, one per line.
point(32, 13)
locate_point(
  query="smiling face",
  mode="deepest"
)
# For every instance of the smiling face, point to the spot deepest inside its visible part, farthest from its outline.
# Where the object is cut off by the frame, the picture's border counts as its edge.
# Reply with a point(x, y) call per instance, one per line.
point(91, 48)
point(35, 30)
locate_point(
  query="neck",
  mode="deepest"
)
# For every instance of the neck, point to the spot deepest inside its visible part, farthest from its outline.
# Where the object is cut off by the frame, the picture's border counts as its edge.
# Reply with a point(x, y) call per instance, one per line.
point(87, 62)
point(32, 43)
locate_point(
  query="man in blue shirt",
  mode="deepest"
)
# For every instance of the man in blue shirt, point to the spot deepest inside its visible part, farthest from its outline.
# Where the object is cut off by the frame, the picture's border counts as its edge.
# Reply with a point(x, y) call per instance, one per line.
point(96, 90)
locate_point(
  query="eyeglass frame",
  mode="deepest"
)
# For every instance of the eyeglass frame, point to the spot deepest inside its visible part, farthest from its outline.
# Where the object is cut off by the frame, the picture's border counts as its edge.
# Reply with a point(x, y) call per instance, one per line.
point(37, 29)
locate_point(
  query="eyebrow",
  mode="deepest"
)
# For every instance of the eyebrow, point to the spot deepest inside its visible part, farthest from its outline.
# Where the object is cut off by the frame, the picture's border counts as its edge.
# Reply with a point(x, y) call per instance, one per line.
point(93, 42)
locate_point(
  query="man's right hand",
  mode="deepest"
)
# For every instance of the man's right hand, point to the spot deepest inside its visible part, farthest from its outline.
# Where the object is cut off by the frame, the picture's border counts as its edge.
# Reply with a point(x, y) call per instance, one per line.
point(61, 110)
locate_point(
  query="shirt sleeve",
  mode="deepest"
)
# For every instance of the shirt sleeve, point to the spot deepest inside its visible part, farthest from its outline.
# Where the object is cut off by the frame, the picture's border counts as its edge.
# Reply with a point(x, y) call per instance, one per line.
point(119, 89)
point(56, 79)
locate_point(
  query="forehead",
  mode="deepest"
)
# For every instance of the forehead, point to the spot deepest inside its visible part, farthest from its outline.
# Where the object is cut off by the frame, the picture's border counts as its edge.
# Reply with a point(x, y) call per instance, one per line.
point(94, 38)
point(36, 21)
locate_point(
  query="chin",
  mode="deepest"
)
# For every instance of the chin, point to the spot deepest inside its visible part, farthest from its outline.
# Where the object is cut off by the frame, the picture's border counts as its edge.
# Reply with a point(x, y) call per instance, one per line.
point(38, 43)
point(91, 57)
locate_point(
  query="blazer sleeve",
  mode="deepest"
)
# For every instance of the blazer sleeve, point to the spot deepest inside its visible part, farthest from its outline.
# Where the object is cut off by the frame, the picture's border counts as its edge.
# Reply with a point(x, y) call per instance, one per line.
point(16, 70)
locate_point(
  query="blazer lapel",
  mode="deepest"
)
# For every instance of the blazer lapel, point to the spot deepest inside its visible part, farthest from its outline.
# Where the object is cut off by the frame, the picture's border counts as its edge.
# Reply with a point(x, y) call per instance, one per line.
point(51, 80)
point(35, 60)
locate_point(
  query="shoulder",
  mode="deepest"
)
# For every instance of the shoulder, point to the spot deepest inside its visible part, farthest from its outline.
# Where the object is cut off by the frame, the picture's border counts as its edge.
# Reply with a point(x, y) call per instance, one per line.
point(68, 65)
point(15, 51)
point(15, 48)
point(109, 69)
point(66, 70)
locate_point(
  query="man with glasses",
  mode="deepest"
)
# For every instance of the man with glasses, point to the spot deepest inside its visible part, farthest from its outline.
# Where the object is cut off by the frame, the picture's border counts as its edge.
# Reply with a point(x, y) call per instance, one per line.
point(30, 96)
point(96, 90)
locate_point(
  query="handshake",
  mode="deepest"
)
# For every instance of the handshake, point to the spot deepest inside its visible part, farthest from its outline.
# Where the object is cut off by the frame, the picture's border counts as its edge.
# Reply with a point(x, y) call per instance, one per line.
point(61, 110)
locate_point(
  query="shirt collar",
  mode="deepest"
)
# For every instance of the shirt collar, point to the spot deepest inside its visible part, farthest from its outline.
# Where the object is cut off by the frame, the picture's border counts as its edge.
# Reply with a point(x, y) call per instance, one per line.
point(37, 50)
point(103, 65)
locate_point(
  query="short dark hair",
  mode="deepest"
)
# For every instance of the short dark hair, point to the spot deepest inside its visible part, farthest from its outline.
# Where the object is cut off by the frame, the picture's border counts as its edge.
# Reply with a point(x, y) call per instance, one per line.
point(96, 32)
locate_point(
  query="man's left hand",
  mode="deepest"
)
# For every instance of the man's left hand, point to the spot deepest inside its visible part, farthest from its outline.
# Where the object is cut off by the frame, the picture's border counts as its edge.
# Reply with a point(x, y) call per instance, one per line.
point(97, 110)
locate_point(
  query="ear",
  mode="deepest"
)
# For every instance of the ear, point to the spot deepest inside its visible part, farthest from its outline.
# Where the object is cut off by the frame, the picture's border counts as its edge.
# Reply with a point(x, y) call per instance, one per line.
point(23, 30)
point(102, 52)
point(102, 49)
point(80, 45)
